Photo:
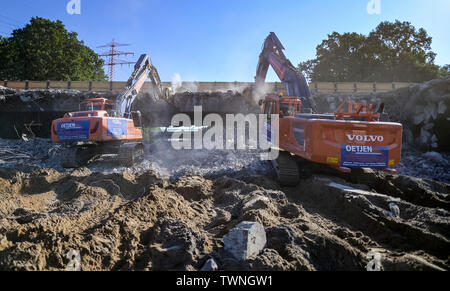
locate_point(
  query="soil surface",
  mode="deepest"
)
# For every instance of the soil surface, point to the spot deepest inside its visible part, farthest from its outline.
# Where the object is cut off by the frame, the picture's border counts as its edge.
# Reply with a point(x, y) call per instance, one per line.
point(172, 211)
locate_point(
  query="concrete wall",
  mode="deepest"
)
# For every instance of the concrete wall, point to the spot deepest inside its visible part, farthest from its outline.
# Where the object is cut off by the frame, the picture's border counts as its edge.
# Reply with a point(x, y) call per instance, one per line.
point(325, 87)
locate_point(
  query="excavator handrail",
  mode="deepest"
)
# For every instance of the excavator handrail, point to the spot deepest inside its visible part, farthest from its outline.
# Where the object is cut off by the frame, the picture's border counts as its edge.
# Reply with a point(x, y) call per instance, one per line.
point(369, 115)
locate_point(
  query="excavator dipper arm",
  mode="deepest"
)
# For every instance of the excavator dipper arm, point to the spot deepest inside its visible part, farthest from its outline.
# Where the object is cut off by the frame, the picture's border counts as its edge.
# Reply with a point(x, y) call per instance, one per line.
point(295, 83)
point(143, 69)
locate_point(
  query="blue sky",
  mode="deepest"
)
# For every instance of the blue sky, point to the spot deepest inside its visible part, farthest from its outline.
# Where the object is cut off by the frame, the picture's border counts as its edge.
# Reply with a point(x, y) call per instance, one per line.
point(220, 40)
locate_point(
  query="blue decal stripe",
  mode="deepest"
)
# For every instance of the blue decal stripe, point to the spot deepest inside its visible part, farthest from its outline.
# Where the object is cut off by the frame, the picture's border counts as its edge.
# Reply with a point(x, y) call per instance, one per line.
point(117, 127)
point(364, 156)
point(74, 130)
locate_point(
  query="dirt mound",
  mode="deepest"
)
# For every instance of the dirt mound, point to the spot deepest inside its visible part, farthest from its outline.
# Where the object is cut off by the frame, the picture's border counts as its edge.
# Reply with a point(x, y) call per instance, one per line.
point(125, 221)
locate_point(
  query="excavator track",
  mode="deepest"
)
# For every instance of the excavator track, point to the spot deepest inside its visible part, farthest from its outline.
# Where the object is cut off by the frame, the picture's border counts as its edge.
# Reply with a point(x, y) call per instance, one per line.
point(286, 169)
point(131, 154)
point(76, 157)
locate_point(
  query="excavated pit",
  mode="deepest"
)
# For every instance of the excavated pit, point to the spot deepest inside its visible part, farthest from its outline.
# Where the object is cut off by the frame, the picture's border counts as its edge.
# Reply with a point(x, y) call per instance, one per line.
point(171, 211)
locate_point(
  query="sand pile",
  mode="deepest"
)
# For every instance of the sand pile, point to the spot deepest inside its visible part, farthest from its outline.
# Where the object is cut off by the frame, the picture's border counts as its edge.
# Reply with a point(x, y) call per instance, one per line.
point(126, 221)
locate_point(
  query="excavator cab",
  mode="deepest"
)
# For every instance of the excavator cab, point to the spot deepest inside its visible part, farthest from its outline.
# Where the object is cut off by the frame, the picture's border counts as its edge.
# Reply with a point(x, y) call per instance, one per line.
point(284, 106)
point(290, 106)
point(97, 104)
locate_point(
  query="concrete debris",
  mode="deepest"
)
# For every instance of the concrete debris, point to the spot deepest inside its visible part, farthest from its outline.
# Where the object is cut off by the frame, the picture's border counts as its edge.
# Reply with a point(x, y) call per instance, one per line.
point(246, 240)
point(436, 157)
point(210, 266)
point(429, 165)
point(150, 225)
point(222, 210)
point(394, 210)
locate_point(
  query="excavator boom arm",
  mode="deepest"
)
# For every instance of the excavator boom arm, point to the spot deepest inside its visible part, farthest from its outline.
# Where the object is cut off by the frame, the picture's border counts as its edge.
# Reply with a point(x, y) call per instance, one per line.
point(143, 69)
point(295, 83)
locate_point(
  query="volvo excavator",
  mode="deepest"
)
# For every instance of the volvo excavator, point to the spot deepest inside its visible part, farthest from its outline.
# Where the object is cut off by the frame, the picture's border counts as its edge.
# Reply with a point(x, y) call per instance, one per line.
point(107, 127)
point(355, 136)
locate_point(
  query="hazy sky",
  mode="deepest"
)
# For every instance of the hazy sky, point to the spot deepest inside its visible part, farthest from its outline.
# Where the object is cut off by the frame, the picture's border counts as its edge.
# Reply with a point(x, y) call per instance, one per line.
point(220, 40)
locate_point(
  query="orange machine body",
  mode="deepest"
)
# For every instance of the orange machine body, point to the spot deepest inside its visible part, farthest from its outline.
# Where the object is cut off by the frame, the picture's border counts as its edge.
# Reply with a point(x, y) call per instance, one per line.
point(335, 139)
point(94, 124)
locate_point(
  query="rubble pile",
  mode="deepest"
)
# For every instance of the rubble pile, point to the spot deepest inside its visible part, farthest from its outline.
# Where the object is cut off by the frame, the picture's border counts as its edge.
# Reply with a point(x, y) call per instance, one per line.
point(222, 210)
point(141, 221)
point(38, 151)
point(40, 107)
point(172, 163)
point(431, 165)
point(216, 102)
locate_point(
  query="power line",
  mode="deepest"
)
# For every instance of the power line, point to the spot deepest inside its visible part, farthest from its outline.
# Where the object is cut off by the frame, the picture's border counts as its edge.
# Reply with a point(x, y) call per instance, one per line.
point(6, 30)
point(17, 22)
point(112, 54)
point(9, 25)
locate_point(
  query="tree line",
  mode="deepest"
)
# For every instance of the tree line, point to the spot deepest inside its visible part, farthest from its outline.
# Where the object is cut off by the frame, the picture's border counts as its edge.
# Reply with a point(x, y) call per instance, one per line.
point(45, 50)
point(393, 52)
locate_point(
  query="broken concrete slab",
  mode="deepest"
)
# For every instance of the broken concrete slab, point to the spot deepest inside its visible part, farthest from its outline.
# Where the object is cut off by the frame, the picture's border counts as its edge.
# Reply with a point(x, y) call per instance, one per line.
point(210, 266)
point(245, 240)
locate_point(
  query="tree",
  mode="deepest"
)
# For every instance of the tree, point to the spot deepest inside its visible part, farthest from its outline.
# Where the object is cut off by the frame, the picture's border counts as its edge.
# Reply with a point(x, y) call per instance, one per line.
point(445, 71)
point(393, 52)
point(3, 58)
point(45, 50)
point(338, 58)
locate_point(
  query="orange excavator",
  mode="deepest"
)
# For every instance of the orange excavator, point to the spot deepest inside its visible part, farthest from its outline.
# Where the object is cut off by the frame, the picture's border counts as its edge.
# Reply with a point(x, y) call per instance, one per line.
point(356, 137)
point(107, 127)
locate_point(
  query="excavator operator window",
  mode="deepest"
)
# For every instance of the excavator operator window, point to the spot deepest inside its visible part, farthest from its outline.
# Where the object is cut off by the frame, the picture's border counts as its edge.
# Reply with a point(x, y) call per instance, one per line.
point(284, 110)
point(269, 108)
point(89, 106)
point(109, 107)
point(293, 109)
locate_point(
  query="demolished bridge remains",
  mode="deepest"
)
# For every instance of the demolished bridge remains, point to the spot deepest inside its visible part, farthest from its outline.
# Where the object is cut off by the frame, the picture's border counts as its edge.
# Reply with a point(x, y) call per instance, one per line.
point(423, 109)
point(317, 87)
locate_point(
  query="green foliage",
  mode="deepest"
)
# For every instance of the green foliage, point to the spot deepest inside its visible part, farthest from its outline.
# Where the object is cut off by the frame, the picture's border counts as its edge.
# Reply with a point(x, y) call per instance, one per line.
point(45, 50)
point(444, 71)
point(393, 52)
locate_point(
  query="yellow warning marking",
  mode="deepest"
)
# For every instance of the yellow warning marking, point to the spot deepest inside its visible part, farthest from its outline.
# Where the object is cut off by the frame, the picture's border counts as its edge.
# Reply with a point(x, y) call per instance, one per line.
point(332, 160)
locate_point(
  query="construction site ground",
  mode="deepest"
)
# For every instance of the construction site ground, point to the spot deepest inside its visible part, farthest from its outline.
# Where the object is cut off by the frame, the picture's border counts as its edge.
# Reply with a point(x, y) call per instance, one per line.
point(171, 212)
